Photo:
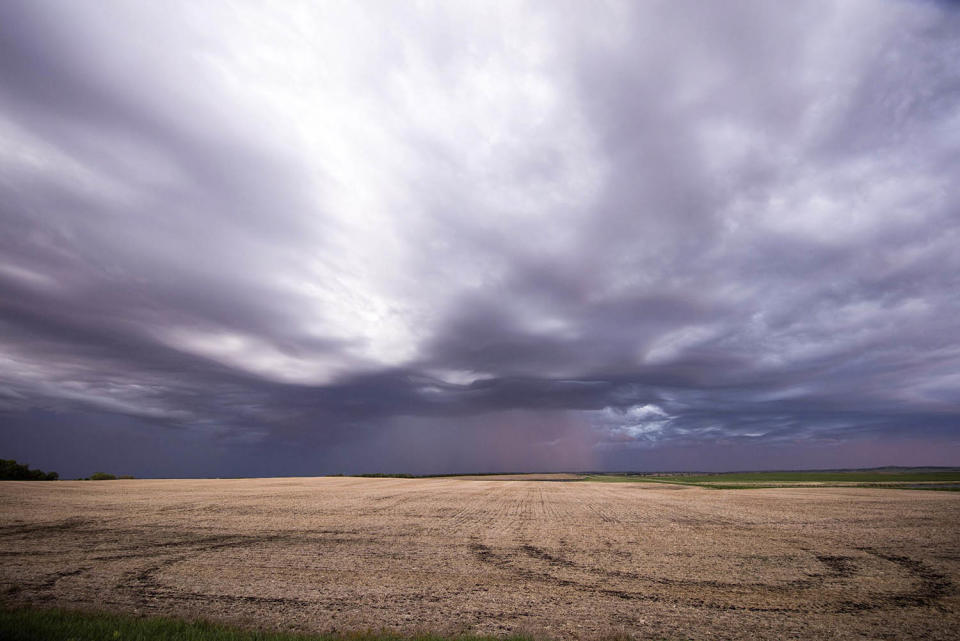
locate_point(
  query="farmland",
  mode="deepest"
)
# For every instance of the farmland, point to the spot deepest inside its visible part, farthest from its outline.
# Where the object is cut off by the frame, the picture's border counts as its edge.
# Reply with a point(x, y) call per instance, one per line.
point(491, 557)
point(902, 478)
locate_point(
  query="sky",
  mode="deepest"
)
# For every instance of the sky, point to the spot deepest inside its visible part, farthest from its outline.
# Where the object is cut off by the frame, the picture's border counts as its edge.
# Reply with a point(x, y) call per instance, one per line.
point(254, 238)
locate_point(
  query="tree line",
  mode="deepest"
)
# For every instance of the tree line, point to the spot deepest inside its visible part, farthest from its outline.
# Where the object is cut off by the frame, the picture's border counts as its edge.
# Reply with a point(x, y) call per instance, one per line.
point(10, 470)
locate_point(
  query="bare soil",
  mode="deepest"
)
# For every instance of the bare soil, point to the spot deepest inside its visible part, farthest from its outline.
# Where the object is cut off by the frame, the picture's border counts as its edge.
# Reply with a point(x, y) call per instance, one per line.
point(561, 560)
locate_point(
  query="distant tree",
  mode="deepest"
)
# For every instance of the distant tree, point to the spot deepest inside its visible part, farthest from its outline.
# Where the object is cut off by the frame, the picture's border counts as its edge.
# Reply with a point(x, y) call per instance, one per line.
point(102, 476)
point(10, 470)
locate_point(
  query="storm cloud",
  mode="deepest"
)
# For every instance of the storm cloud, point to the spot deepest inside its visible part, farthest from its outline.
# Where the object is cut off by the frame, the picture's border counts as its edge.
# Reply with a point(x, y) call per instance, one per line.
point(371, 236)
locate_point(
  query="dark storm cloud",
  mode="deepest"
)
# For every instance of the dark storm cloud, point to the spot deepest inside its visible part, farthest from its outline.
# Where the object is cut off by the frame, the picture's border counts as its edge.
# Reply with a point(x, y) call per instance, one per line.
point(341, 239)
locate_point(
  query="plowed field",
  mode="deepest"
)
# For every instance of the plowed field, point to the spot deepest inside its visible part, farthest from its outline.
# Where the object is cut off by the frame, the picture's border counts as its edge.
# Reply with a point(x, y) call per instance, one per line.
point(554, 559)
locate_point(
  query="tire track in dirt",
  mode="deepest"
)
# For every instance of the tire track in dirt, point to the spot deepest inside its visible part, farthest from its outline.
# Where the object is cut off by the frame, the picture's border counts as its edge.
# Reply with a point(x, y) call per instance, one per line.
point(143, 585)
point(933, 585)
point(14, 531)
point(837, 566)
point(146, 587)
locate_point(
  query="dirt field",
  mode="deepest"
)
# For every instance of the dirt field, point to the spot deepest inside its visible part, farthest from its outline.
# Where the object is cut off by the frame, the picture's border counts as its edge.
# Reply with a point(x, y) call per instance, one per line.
point(559, 559)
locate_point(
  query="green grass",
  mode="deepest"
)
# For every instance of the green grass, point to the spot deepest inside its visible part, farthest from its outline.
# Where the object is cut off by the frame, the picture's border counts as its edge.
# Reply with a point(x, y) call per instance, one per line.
point(855, 476)
point(28, 624)
point(882, 477)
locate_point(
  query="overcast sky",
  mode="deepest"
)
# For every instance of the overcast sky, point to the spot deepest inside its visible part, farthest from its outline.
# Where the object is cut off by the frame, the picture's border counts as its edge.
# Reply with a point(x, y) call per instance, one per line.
point(261, 238)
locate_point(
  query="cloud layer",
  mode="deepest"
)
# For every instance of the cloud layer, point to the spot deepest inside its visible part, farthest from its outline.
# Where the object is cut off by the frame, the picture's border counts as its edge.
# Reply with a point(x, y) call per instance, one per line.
point(355, 236)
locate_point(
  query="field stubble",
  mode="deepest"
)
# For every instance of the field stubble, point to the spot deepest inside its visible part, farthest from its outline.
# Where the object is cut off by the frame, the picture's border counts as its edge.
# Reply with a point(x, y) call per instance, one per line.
point(552, 559)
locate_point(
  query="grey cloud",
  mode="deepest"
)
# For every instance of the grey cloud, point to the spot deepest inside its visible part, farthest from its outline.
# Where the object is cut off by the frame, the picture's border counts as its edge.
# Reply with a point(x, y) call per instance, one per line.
point(741, 215)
